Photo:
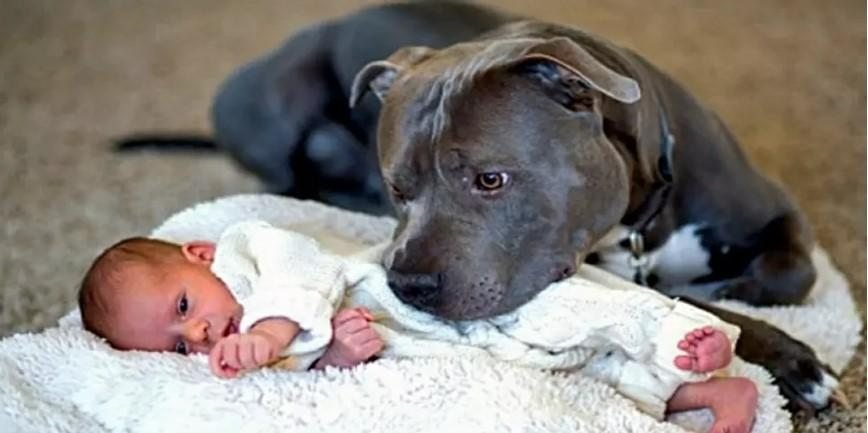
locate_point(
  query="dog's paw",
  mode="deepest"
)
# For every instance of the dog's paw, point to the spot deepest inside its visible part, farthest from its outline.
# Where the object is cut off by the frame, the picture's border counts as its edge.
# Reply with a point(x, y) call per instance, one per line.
point(807, 384)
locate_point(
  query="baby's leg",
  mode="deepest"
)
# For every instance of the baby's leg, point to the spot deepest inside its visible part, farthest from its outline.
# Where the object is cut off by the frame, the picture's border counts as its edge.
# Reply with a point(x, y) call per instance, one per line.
point(732, 399)
point(708, 349)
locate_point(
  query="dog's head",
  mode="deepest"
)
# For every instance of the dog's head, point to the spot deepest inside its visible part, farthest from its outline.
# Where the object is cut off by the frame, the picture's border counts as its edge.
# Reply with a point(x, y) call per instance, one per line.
point(499, 166)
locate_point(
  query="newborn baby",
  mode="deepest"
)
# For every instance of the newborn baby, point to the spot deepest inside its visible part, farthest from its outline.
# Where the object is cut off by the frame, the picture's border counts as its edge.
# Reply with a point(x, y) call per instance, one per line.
point(263, 294)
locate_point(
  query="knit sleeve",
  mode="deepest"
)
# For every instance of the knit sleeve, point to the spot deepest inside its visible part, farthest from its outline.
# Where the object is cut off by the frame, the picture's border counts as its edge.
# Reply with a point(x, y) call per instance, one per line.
point(650, 382)
point(580, 313)
point(290, 277)
point(633, 330)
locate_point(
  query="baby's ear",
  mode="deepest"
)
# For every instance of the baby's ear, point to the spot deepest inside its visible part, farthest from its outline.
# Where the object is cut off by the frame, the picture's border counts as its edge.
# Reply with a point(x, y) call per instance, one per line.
point(200, 252)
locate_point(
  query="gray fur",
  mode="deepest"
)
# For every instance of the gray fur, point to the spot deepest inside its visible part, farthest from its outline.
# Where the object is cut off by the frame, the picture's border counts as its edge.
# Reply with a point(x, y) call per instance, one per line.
point(583, 160)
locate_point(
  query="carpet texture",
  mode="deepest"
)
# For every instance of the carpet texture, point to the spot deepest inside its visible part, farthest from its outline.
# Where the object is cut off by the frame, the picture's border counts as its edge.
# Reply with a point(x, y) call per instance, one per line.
point(788, 77)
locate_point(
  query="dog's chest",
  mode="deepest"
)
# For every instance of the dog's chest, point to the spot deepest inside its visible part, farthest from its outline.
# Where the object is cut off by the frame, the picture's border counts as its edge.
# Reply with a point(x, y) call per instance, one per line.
point(680, 260)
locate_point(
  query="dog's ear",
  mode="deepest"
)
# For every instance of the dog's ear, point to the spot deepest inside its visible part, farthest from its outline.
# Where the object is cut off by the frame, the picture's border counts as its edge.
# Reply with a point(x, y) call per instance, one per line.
point(380, 75)
point(377, 76)
point(567, 71)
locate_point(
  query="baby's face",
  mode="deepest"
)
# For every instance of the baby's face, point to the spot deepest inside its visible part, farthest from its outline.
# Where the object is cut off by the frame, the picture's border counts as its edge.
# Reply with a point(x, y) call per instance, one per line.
point(186, 309)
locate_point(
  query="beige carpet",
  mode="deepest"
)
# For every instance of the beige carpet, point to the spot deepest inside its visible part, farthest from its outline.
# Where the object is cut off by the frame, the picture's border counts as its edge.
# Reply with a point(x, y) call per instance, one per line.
point(788, 76)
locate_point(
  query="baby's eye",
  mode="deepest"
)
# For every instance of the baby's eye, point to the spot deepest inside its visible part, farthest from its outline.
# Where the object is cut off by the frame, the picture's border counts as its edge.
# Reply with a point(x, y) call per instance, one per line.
point(181, 347)
point(183, 305)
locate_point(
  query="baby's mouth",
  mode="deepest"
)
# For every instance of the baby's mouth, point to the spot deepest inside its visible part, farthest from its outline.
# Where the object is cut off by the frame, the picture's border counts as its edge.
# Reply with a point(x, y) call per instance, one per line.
point(231, 328)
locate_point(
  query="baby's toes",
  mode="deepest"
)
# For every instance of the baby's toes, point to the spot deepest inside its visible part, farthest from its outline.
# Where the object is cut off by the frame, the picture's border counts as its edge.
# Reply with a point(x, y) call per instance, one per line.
point(684, 362)
point(684, 345)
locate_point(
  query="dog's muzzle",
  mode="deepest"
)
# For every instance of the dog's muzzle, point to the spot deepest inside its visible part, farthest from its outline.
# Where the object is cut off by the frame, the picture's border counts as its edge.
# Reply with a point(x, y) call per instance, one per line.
point(422, 291)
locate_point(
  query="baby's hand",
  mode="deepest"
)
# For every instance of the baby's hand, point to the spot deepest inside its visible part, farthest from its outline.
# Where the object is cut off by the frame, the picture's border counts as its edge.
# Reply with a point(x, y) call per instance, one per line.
point(354, 340)
point(246, 351)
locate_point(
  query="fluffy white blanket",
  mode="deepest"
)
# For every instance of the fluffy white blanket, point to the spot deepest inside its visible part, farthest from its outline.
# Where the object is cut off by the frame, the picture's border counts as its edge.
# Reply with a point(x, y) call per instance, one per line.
point(65, 380)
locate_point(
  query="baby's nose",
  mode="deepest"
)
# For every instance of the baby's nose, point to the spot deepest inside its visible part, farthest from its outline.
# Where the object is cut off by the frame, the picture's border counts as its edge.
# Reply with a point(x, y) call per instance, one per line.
point(196, 330)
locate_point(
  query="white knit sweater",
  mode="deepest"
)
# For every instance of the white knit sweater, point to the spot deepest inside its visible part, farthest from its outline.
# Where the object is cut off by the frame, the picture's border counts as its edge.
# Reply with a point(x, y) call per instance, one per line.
point(609, 328)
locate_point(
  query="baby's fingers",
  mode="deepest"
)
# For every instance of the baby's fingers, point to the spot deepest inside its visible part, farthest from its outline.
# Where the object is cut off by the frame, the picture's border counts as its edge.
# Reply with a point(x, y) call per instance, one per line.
point(247, 354)
point(263, 353)
point(371, 347)
point(214, 360)
point(352, 326)
point(364, 312)
point(217, 365)
point(366, 338)
point(230, 353)
point(345, 315)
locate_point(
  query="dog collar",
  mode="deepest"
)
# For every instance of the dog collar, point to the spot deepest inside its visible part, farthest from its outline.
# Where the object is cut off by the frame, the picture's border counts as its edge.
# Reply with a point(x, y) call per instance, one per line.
point(653, 205)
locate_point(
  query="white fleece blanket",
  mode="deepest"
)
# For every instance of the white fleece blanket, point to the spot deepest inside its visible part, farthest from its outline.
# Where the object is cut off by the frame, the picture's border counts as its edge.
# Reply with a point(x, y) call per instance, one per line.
point(66, 380)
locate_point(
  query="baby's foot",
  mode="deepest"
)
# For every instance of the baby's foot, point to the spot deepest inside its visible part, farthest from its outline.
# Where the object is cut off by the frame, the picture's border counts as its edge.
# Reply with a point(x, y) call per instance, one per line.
point(708, 349)
point(733, 400)
point(734, 405)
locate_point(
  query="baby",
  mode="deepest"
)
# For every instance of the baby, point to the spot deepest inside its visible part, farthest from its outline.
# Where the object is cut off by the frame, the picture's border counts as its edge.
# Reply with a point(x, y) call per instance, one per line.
point(263, 294)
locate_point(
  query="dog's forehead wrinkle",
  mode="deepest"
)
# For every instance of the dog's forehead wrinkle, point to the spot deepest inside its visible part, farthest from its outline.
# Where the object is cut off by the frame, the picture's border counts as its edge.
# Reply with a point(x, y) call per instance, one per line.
point(497, 145)
point(438, 166)
point(488, 158)
point(436, 101)
point(413, 163)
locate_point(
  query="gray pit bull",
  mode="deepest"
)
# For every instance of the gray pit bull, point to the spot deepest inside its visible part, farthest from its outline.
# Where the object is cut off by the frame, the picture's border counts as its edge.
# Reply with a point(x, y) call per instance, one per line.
point(518, 152)
point(515, 156)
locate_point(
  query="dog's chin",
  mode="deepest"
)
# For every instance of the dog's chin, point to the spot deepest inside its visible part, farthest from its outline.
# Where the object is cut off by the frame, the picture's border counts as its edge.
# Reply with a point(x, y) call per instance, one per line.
point(466, 314)
point(466, 309)
point(460, 312)
point(469, 311)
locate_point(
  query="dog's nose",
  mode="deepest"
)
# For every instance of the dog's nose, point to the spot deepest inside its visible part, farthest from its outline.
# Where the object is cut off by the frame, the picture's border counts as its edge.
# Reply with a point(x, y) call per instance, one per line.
point(419, 290)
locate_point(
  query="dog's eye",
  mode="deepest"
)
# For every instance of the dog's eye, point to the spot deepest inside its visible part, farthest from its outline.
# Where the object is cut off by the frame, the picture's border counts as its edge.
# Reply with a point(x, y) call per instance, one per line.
point(490, 182)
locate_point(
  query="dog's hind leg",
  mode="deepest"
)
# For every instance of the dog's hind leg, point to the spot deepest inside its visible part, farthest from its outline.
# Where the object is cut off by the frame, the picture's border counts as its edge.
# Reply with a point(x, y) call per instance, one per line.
point(782, 273)
point(264, 111)
point(775, 277)
point(339, 169)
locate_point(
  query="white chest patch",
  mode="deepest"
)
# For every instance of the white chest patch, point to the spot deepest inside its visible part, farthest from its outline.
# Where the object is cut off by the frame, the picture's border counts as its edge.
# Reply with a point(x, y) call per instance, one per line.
point(680, 259)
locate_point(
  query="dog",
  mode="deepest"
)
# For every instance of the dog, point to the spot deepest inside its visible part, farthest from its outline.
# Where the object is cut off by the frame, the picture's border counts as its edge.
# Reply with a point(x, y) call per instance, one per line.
point(512, 156)
point(284, 116)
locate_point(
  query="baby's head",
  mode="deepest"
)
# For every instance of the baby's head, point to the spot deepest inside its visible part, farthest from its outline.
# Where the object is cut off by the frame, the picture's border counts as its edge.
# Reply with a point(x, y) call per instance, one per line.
point(146, 294)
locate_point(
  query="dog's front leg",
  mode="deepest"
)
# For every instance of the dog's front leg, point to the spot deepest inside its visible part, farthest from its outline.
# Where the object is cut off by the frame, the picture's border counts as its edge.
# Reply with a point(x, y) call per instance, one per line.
point(806, 383)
